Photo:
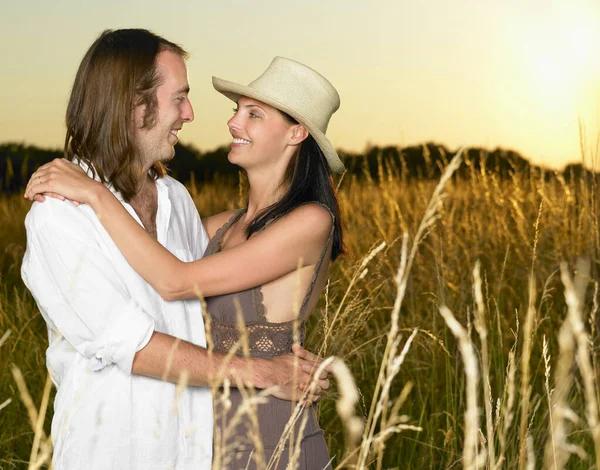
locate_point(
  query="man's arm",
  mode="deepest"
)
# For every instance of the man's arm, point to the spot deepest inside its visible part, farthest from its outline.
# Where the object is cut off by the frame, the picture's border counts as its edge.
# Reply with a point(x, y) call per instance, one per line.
point(168, 358)
point(78, 288)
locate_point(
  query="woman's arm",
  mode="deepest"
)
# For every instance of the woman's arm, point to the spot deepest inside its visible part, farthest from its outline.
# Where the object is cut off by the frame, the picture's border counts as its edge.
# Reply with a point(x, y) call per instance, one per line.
point(297, 238)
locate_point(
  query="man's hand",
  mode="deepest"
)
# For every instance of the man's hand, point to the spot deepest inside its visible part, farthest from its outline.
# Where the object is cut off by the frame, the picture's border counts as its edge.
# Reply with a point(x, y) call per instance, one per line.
point(314, 363)
point(293, 374)
point(313, 360)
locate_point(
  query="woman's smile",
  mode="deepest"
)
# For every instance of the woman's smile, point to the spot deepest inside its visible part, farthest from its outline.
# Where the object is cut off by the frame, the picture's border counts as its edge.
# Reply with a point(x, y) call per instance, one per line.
point(238, 142)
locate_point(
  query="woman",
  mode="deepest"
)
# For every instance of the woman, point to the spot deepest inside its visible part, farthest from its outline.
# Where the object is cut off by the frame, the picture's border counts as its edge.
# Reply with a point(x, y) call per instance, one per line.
point(261, 256)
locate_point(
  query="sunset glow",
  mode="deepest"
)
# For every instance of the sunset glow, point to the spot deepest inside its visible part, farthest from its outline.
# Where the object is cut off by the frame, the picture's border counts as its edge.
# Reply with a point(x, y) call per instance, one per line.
point(510, 74)
point(563, 53)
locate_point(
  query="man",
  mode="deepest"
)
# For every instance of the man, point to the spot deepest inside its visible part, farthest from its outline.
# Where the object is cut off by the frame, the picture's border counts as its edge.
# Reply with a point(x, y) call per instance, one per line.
point(105, 323)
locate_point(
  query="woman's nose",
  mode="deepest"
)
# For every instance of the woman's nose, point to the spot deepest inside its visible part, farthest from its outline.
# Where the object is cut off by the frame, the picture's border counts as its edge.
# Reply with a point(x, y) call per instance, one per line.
point(234, 122)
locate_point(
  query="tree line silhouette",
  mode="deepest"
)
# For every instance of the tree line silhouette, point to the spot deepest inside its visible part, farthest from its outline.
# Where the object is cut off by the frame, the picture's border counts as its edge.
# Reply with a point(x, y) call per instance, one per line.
point(18, 161)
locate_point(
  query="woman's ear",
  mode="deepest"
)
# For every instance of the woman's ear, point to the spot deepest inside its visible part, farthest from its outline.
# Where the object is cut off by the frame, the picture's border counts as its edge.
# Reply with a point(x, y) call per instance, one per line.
point(299, 134)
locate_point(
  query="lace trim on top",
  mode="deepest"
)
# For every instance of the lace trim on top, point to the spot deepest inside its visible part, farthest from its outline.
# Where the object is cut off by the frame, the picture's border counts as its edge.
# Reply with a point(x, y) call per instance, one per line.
point(264, 339)
point(257, 299)
point(214, 244)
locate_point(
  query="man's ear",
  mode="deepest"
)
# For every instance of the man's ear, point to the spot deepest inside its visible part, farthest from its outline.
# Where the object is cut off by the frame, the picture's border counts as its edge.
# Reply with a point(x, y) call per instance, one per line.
point(138, 115)
point(299, 134)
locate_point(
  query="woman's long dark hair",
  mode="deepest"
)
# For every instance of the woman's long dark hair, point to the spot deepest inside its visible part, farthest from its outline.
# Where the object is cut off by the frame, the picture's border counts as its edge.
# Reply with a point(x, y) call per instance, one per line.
point(308, 180)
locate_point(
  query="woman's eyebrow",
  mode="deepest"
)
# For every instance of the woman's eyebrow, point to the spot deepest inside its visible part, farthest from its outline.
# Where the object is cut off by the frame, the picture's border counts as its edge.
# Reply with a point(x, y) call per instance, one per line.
point(254, 106)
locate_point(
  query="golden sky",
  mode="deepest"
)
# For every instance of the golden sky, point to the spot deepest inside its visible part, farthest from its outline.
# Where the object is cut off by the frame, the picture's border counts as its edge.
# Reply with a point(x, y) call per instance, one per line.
point(519, 74)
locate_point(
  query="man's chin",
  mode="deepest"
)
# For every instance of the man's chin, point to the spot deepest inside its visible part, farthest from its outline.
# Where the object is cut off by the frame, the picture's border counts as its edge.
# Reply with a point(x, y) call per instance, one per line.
point(168, 156)
point(166, 159)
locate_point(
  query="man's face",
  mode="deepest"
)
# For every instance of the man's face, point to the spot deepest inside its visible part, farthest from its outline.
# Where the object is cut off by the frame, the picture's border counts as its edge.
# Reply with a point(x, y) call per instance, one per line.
point(157, 143)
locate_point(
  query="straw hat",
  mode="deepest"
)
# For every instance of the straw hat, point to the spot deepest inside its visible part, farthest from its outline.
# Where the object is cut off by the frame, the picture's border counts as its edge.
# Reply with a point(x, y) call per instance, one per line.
point(297, 90)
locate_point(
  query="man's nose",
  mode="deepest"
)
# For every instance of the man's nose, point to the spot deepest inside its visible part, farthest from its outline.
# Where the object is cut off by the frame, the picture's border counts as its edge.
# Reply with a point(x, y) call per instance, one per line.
point(188, 112)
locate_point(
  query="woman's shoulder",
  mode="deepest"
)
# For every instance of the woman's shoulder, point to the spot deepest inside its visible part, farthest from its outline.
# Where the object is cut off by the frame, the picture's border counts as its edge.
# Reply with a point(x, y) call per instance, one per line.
point(312, 218)
point(302, 232)
point(215, 222)
point(313, 212)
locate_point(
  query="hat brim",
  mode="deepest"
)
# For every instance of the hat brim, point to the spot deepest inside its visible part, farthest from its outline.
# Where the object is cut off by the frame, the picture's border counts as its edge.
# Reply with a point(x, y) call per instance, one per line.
point(233, 91)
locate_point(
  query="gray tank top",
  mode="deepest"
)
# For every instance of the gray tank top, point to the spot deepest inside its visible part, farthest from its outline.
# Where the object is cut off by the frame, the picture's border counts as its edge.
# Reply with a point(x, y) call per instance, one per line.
point(265, 339)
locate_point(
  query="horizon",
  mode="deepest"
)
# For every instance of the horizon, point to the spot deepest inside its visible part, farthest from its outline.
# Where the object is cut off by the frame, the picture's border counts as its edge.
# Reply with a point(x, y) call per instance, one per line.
point(353, 154)
point(518, 77)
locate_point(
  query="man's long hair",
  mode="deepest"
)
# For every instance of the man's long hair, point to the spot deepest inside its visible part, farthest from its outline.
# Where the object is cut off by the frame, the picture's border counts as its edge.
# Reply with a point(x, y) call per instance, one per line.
point(118, 73)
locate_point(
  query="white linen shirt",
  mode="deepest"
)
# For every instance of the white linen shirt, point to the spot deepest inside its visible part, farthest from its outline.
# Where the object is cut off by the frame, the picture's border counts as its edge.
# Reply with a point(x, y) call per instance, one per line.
point(99, 313)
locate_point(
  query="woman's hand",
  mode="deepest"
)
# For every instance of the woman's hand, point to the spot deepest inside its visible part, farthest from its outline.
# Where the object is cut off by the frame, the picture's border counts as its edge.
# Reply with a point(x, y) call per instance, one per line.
point(62, 180)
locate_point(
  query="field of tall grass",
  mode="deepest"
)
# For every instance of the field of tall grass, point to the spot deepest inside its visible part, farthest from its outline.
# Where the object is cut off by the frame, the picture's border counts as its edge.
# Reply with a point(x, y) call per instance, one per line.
point(466, 312)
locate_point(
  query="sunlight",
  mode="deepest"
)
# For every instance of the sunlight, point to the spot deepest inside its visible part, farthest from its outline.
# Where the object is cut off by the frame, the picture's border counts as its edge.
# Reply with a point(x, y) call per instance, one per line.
point(581, 42)
point(562, 54)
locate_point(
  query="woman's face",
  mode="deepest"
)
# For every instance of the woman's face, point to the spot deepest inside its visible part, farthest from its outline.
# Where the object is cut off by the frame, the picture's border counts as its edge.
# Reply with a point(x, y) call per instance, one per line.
point(261, 135)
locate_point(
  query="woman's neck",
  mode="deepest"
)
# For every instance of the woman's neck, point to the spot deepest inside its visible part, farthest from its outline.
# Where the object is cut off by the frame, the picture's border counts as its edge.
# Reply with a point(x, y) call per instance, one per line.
point(264, 191)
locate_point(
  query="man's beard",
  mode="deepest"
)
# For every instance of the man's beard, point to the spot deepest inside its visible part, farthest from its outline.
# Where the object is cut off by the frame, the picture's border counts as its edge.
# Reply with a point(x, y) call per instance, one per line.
point(148, 158)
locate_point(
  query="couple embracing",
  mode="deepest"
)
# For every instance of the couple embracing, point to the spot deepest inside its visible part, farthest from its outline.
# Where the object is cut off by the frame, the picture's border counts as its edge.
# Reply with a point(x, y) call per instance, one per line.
point(117, 257)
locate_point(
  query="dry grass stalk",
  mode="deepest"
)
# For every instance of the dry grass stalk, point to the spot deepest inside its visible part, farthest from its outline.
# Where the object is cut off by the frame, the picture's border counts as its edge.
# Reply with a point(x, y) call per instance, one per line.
point(248, 408)
point(298, 411)
point(387, 420)
point(399, 402)
point(526, 354)
point(224, 401)
point(5, 403)
point(429, 219)
point(387, 357)
point(5, 336)
point(250, 402)
point(346, 404)
point(36, 419)
point(182, 384)
point(26, 398)
point(293, 457)
point(530, 454)
point(481, 327)
point(525, 379)
point(245, 412)
point(383, 403)
point(338, 313)
point(34, 462)
point(471, 455)
point(223, 448)
point(592, 321)
point(169, 362)
point(575, 298)
point(354, 426)
point(557, 450)
point(508, 410)
point(547, 368)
